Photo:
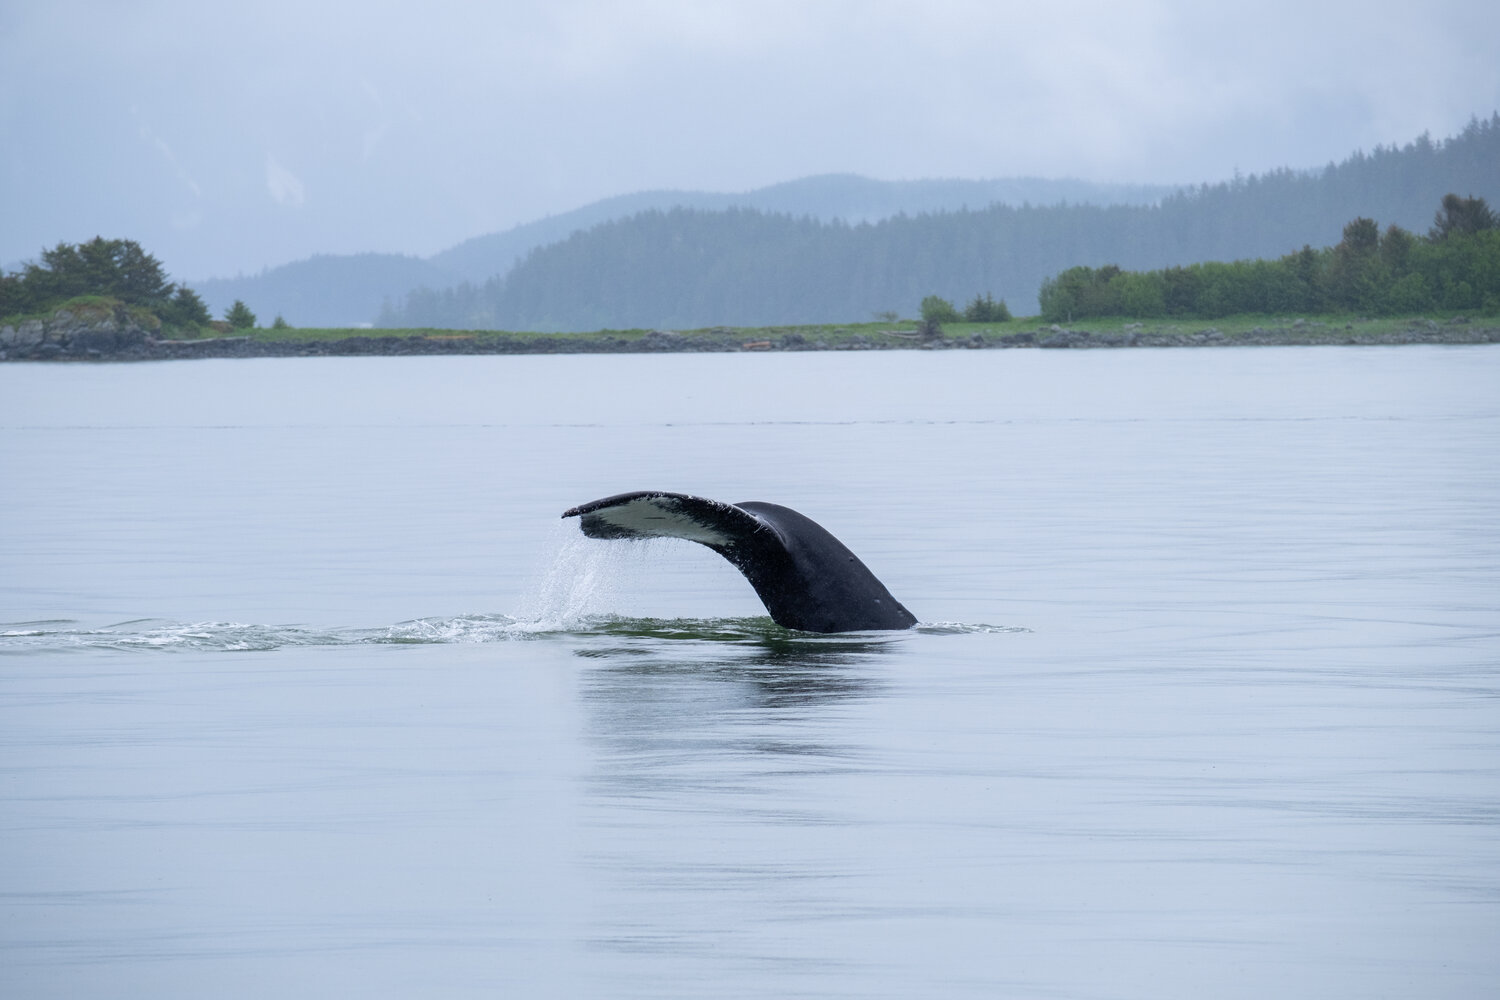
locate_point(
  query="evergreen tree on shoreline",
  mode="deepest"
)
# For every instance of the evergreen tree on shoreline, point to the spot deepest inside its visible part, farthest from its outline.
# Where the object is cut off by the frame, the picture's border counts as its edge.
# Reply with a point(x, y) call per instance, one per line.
point(119, 270)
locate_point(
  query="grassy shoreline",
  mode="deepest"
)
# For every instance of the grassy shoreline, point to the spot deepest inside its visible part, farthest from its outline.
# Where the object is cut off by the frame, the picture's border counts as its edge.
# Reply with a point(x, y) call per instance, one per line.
point(836, 334)
point(99, 334)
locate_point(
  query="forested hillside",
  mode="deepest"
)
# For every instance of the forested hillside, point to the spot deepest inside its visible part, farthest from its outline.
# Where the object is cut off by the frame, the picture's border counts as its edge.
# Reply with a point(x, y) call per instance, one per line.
point(1455, 266)
point(349, 289)
point(695, 268)
point(827, 197)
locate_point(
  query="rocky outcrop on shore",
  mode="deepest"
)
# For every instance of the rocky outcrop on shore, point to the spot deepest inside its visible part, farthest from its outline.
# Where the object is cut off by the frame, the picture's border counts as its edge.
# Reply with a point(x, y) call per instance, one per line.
point(117, 336)
point(104, 333)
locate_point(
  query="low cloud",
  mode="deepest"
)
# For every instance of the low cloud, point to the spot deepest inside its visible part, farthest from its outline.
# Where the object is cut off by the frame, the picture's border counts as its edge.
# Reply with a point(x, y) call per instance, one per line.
point(286, 188)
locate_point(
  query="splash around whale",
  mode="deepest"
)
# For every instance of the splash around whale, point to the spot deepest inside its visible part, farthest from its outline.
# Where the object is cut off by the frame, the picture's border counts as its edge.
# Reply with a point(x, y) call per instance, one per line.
point(806, 578)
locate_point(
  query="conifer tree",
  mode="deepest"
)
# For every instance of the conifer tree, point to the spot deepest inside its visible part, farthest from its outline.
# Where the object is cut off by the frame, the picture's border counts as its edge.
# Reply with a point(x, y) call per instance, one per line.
point(239, 316)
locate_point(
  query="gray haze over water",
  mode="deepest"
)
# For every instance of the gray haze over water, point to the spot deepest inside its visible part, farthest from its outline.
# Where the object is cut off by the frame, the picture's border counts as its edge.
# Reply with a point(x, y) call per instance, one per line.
point(306, 689)
point(229, 138)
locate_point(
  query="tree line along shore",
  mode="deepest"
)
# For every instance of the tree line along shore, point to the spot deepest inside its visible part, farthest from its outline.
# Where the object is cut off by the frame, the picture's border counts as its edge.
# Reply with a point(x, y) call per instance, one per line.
point(110, 300)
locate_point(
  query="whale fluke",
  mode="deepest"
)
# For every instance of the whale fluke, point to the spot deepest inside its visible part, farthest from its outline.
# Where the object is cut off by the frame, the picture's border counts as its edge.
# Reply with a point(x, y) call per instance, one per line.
point(806, 578)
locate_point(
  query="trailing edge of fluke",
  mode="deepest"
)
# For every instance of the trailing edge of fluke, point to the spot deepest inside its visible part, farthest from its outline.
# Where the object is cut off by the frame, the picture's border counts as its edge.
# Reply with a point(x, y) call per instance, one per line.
point(806, 578)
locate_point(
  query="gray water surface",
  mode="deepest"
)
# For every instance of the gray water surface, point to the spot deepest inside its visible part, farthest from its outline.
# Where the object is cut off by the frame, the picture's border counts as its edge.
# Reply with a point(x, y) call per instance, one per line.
point(306, 690)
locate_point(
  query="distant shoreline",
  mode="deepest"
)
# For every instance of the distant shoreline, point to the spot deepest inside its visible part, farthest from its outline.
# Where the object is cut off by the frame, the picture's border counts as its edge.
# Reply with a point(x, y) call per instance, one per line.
point(43, 341)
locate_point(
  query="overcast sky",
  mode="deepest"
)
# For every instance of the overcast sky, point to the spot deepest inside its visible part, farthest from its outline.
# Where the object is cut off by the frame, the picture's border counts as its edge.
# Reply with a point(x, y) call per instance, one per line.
point(230, 137)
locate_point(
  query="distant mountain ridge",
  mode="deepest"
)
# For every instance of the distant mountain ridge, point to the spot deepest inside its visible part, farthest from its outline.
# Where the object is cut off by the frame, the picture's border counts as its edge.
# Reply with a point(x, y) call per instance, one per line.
point(350, 289)
point(689, 267)
point(825, 197)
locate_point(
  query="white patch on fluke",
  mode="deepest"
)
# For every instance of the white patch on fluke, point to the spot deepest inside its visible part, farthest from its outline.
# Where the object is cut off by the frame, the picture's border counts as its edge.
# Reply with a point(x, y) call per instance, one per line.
point(659, 518)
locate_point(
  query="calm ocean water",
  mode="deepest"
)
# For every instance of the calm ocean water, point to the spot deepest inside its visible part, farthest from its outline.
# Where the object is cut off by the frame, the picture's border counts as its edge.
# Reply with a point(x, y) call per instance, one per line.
point(305, 689)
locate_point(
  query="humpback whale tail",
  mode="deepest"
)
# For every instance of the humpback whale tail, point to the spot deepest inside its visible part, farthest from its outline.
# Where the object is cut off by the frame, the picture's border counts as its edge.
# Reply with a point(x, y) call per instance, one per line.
point(806, 578)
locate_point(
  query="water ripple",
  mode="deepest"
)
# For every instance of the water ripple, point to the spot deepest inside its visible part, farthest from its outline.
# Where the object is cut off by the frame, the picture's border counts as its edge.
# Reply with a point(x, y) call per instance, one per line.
point(155, 635)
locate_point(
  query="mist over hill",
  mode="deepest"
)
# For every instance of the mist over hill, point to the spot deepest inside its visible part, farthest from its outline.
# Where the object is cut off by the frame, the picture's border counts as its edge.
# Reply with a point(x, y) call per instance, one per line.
point(327, 289)
point(692, 266)
point(350, 289)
